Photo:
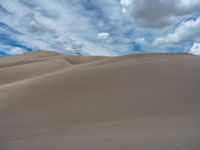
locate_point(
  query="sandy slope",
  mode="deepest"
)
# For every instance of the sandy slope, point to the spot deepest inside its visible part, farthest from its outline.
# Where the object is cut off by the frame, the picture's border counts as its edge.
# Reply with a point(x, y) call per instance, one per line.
point(137, 102)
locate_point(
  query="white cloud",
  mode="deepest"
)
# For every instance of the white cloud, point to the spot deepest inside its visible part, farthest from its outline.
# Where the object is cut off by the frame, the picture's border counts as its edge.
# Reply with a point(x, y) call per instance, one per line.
point(73, 47)
point(16, 51)
point(195, 49)
point(104, 36)
point(159, 13)
point(141, 40)
point(186, 32)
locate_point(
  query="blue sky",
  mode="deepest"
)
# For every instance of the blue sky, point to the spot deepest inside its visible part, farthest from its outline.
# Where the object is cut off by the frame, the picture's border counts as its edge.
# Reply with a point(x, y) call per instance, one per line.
point(99, 27)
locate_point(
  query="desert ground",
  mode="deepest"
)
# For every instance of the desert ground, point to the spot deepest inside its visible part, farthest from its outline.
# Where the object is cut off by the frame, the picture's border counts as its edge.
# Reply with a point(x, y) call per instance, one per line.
point(50, 101)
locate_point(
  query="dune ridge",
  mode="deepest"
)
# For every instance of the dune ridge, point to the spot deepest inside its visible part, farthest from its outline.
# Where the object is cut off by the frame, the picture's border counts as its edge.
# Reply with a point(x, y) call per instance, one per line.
point(144, 101)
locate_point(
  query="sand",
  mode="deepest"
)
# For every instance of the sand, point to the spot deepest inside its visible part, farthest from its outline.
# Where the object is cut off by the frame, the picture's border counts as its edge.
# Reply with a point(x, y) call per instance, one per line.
point(49, 101)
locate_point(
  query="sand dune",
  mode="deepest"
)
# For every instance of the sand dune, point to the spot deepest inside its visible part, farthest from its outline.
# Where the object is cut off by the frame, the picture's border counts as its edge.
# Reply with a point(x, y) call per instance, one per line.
point(136, 102)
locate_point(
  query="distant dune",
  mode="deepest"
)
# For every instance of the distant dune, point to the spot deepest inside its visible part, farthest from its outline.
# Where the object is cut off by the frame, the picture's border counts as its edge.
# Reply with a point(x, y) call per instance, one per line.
point(50, 101)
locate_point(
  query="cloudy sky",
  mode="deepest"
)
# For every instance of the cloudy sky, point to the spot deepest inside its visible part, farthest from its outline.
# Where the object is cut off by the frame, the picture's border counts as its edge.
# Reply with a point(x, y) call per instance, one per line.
point(99, 27)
